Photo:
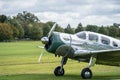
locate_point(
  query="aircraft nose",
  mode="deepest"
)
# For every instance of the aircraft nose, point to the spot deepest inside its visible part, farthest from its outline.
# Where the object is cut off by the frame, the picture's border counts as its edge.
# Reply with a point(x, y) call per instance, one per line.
point(44, 40)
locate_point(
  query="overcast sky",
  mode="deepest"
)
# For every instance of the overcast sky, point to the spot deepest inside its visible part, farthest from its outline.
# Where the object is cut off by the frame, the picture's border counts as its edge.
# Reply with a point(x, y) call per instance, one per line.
point(97, 12)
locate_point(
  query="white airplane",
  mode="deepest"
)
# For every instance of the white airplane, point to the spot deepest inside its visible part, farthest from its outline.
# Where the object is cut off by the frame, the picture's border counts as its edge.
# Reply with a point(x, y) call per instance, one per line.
point(84, 46)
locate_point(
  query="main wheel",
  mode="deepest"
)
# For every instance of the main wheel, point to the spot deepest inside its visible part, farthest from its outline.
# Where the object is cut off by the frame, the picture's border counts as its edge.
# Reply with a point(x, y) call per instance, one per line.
point(86, 73)
point(58, 71)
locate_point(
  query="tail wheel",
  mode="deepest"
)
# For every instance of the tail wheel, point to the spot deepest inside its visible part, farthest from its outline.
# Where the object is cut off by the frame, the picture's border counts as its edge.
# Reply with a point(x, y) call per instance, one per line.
point(86, 73)
point(58, 71)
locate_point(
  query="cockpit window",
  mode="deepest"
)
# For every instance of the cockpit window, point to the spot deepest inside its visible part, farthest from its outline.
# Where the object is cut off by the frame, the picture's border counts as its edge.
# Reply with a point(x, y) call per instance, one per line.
point(93, 37)
point(81, 35)
point(105, 40)
point(115, 44)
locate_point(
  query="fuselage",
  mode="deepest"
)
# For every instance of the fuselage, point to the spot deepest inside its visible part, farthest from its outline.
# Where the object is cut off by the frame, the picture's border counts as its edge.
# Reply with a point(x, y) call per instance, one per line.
point(84, 40)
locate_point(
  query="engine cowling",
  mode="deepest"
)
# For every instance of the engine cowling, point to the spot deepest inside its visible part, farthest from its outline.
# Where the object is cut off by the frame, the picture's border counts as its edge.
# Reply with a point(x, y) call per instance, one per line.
point(66, 51)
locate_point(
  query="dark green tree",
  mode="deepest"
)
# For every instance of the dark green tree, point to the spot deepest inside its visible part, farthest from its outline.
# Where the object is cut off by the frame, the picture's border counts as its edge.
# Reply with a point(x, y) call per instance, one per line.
point(113, 31)
point(36, 32)
point(15, 32)
point(116, 25)
point(46, 29)
point(103, 30)
point(3, 18)
point(27, 28)
point(26, 20)
point(79, 28)
point(92, 28)
point(59, 29)
point(118, 32)
point(69, 29)
point(50, 23)
point(16, 23)
point(27, 17)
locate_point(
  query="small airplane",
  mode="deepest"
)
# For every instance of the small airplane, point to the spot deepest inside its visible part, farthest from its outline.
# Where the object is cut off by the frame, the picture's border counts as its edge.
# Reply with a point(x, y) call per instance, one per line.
point(83, 46)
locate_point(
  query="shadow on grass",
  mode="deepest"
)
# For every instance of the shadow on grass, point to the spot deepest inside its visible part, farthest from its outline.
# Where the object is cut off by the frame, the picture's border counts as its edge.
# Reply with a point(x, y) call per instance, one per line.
point(52, 77)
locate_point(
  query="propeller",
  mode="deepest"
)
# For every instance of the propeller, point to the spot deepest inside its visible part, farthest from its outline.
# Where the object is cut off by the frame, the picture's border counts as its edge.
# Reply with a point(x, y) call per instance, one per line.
point(45, 40)
point(39, 59)
point(51, 31)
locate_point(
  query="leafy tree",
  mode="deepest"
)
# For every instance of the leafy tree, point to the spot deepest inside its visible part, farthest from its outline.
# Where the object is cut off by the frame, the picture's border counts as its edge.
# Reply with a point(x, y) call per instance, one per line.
point(79, 28)
point(25, 22)
point(6, 32)
point(50, 23)
point(27, 17)
point(3, 18)
point(103, 30)
point(17, 25)
point(116, 25)
point(113, 31)
point(27, 28)
point(15, 32)
point(92, 28)
point(36, 33)
point(69, 29)
point(59, 29)
point(46, 29)
point(118, 32)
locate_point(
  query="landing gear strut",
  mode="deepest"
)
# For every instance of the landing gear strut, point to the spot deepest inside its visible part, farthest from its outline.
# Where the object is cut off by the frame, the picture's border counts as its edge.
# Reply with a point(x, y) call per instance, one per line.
point(86, 72)
point(59, 71)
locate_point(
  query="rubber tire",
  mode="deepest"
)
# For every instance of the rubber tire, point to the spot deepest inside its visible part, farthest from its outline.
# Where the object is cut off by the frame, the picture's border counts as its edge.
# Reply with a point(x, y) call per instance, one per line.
point(57, 71)
point(86, 73)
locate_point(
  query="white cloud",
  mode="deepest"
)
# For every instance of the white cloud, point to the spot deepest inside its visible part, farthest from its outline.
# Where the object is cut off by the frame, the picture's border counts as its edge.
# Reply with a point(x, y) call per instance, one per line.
point(97, 20)
point(61, 18)
point(105, 12)
point(16, 5)
point(24, 3)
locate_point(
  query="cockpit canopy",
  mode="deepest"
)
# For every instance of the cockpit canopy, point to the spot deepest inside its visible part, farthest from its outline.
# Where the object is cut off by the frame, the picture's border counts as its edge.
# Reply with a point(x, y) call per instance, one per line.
point(96, 37)
point(81, 35)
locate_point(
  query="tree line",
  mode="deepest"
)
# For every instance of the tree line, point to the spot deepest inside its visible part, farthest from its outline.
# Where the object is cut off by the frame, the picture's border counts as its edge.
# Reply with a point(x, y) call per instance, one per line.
point(26, 25)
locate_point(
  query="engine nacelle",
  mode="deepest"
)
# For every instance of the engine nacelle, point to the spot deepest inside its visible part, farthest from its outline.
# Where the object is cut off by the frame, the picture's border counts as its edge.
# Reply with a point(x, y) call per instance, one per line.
point(65, 51)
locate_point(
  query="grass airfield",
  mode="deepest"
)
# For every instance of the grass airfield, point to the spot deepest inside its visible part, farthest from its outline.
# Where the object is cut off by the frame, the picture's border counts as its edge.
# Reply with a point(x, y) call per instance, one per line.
point(19, 61)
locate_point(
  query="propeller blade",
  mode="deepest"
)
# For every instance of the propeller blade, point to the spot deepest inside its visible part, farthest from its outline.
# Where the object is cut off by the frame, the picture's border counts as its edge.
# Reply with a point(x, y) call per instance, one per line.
point(51, 31)
point(40, 47)
point(39, 59)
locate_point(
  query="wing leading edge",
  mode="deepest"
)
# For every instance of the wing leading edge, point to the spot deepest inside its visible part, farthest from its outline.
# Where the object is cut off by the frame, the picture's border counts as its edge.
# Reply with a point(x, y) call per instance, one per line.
point(86, 52)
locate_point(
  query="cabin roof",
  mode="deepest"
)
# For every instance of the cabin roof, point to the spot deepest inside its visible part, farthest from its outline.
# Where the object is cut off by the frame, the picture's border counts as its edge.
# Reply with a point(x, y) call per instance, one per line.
point(97, 36)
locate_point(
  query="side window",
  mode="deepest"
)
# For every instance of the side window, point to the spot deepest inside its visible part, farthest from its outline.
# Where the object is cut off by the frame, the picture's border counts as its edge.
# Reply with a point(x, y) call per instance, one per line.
point(93, 37)
point(105, 40)
point(115, 44)
point(82, 35)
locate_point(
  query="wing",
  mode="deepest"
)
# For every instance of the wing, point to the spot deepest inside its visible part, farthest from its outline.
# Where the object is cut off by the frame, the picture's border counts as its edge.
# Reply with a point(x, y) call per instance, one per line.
point(80, 51)
point(86, 52)
point(106, 57)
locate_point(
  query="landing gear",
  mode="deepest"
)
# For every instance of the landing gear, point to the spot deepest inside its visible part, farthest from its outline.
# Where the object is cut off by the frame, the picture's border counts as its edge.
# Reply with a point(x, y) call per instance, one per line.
point(86, 73)
point(59, 71)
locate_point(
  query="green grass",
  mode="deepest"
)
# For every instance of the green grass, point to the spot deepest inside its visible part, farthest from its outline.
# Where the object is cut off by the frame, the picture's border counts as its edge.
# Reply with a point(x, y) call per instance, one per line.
point(19, 61)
